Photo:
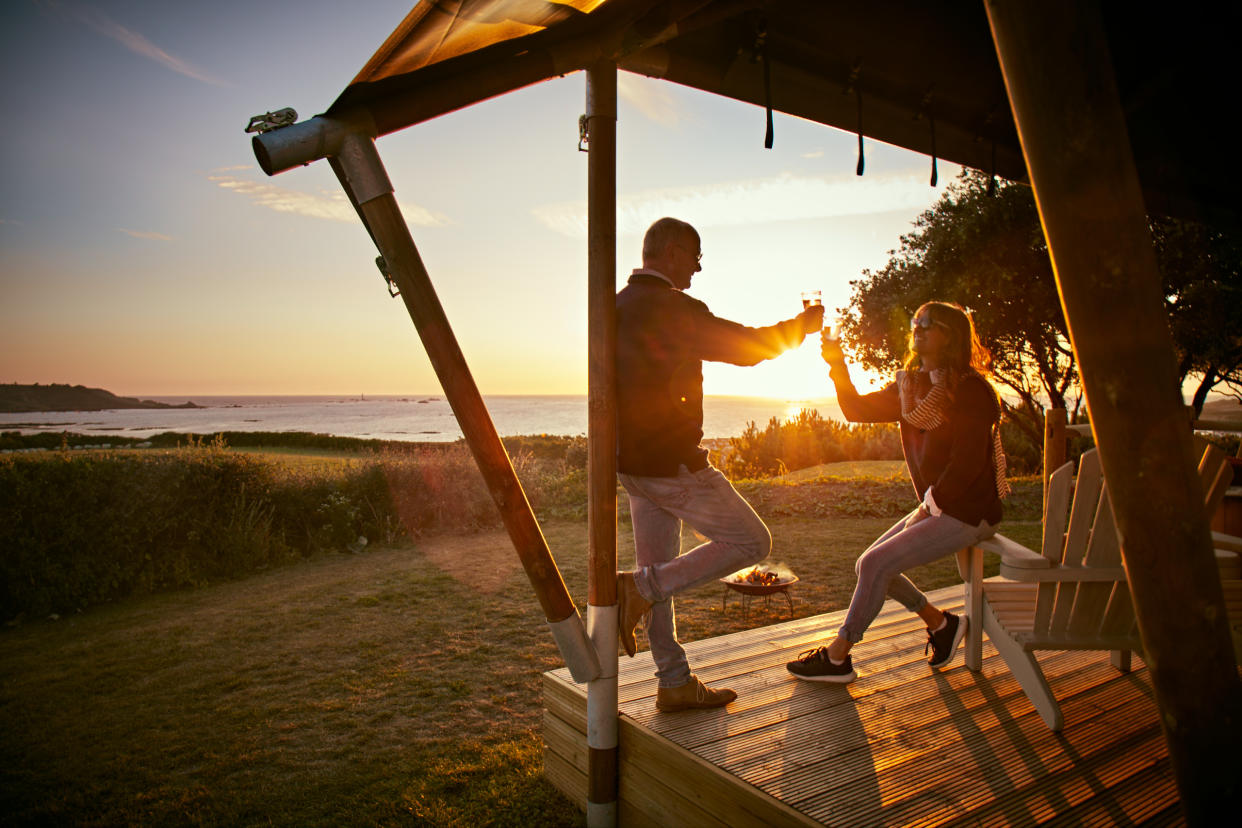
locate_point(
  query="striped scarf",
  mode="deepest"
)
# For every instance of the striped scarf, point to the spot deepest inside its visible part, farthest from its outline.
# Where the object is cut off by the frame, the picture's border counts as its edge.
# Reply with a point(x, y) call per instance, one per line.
point(932, 411)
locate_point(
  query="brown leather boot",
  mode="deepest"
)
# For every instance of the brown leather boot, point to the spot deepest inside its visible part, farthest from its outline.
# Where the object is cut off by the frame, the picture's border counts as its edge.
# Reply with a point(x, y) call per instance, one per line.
point(692, 695)
point(631, 607)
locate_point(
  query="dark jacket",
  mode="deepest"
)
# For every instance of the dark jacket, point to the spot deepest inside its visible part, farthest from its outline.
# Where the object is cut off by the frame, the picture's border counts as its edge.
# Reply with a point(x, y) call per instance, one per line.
point(955, 459)
point(663, 336)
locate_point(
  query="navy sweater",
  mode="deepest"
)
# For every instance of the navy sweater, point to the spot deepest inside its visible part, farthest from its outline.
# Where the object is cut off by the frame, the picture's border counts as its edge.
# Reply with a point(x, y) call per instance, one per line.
point(663, 337)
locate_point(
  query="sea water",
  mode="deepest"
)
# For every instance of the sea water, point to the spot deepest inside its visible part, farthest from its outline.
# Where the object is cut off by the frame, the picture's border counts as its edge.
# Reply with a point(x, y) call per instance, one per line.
point(419, 418)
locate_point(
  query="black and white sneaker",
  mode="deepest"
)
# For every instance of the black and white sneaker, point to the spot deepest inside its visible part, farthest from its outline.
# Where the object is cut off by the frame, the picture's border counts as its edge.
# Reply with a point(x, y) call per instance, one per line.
point(943, 643)
point(815, 665)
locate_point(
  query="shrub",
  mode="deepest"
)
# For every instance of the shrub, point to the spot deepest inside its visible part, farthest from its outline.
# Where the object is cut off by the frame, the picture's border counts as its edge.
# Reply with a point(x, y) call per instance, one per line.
point(81, 528)
point(807, 440)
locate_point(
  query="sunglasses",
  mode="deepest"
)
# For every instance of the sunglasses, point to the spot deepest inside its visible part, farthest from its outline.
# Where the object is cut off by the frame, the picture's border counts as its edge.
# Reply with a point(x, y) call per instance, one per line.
point(926, 323)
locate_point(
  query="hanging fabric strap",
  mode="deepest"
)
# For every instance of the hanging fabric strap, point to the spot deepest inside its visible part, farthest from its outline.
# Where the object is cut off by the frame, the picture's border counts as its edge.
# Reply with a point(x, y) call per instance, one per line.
point(761, 49)
point(925, 108)
point(767, 98)
point(862, 162)
point(851, 85)
point(992, 171)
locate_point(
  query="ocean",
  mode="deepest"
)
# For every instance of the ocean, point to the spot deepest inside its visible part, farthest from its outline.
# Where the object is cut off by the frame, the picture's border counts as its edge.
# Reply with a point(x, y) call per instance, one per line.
point(413, 418)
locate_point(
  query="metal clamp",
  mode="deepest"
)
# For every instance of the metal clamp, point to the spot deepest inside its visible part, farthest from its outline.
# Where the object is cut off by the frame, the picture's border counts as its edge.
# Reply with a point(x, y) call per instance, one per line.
point(388, 280)
point(272, 120)
point(584, 133)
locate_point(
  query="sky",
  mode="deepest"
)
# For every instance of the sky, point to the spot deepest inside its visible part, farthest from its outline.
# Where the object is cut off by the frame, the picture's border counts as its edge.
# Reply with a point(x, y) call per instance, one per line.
point(143, 251)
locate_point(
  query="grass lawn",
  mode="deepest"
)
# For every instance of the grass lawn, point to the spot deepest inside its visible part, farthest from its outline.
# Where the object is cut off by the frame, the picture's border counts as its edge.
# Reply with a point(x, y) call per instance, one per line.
point(395, 687)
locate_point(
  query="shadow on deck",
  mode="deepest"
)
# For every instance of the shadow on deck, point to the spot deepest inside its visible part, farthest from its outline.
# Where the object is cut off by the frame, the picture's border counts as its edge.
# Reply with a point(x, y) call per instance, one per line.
point(900, 746)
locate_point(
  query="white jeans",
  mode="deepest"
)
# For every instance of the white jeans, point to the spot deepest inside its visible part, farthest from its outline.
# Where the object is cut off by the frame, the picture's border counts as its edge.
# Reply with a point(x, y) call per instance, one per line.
point(708, 503)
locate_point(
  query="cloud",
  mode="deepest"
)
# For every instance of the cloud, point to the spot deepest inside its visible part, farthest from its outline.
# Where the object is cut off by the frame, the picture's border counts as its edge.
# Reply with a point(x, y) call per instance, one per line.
point(755, 201)
point(145, 234)
point(331, 205)
point(133, 41)
point(651, 98)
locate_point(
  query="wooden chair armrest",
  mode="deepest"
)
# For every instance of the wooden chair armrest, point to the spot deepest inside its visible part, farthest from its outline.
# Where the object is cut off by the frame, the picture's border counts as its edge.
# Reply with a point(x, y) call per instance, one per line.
point(1063, 573)
point(1222, 541)
point(1013, 554)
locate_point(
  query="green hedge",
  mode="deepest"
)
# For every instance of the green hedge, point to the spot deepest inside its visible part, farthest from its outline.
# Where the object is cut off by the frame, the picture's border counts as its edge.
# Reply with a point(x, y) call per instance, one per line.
point(81, 528)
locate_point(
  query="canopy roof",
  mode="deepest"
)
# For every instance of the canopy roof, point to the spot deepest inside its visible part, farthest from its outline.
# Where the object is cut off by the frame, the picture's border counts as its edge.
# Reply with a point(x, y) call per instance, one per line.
point(919, 75)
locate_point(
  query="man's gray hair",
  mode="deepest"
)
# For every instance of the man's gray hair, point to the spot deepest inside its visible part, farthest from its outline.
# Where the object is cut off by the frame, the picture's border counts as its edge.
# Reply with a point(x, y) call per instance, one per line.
point(666, 231)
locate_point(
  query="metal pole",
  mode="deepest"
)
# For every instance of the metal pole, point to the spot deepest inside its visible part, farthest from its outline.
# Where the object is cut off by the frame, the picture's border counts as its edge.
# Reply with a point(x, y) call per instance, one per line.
point(602, 781)
point(361, 173)
point(1055, 59)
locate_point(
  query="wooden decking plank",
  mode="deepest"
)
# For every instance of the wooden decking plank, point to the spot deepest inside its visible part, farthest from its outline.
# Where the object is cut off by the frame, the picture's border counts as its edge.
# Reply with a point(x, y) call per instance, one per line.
point(943, 791)
point(1040, 798)
point(1135, 794)
point(713, 790)
point(1067, 797)
point(892, 642)
point(724, 663)
point(565, 700)
point(770, 702)
point(663, 804)
point(772, 695)
point(565, 740)
point(565, 778)
point(896, 728)
point(914, 737)
point(986, 734)
point(836, 703)
point(888, 747)
point(993, 724)
point(808, 629)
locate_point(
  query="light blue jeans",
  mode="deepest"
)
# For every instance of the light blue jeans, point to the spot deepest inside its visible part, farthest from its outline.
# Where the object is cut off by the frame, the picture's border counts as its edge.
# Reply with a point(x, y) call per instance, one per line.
point(708, 503)
point(880, 568)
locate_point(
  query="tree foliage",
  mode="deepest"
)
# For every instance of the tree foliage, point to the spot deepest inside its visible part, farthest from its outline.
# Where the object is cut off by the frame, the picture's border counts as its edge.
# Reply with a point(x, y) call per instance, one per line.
point(988, 254)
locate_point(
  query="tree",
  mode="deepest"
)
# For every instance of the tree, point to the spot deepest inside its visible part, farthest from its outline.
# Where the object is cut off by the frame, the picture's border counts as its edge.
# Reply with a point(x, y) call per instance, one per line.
point(1200, 266)
point(988, 254)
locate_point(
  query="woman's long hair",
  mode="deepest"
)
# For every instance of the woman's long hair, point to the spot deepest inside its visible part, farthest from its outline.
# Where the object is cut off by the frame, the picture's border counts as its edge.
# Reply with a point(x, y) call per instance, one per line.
point(964, 351)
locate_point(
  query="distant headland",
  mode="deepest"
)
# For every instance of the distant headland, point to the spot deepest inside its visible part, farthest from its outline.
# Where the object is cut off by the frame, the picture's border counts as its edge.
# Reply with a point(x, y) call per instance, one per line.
point(24, 398)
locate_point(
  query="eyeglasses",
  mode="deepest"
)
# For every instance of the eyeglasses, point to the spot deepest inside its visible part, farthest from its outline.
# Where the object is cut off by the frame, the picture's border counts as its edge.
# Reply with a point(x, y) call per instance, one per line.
point(926, 323)
point(698, 257)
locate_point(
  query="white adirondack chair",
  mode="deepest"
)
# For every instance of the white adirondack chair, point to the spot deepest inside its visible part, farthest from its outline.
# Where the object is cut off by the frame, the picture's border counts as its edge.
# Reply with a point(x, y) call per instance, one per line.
point(1071, 595)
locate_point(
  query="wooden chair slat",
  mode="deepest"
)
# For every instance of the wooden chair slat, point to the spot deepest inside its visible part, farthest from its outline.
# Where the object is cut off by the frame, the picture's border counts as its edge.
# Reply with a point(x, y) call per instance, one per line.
point(1103, 546)
point(1119, 618)
point(1056, 515)
point(1086, 497)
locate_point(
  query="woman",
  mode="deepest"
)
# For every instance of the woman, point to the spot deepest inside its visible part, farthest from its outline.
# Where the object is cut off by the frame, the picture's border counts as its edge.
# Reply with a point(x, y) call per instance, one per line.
point(949, 416)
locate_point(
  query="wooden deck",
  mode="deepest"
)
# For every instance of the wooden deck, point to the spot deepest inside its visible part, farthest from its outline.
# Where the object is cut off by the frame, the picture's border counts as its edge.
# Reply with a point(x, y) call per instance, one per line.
point(900, 746)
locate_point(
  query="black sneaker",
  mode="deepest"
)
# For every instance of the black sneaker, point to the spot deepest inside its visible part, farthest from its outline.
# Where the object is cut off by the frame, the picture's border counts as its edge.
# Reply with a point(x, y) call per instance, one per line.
point(815, 665)
point(943, 643)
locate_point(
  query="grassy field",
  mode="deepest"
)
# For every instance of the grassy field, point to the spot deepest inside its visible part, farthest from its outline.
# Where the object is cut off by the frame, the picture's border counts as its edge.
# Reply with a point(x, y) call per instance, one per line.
point(399, 686)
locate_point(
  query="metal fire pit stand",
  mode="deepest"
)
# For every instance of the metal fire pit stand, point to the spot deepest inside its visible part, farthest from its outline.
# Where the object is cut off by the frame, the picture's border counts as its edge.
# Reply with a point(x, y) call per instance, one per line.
point(749, 591)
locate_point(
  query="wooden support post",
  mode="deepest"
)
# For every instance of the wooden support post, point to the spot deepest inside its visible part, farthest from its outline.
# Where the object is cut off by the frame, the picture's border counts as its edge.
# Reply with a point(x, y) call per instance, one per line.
point(601, 100)
point(1055, 60)
point(1054, 449)
point(361, 173)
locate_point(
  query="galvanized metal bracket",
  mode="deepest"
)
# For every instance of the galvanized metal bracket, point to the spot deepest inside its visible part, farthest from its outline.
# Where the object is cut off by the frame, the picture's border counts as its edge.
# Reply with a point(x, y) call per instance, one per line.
point(272, 120)
point(388, 280)
point(584, 133)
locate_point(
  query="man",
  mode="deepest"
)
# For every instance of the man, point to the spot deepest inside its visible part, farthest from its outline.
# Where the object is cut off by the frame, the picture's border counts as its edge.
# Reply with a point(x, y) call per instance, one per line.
point(663, 336)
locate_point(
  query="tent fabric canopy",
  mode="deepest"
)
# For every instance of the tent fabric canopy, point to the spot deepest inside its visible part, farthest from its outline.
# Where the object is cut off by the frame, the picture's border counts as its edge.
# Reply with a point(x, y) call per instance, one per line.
point(919, 75)
point(436, 31)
